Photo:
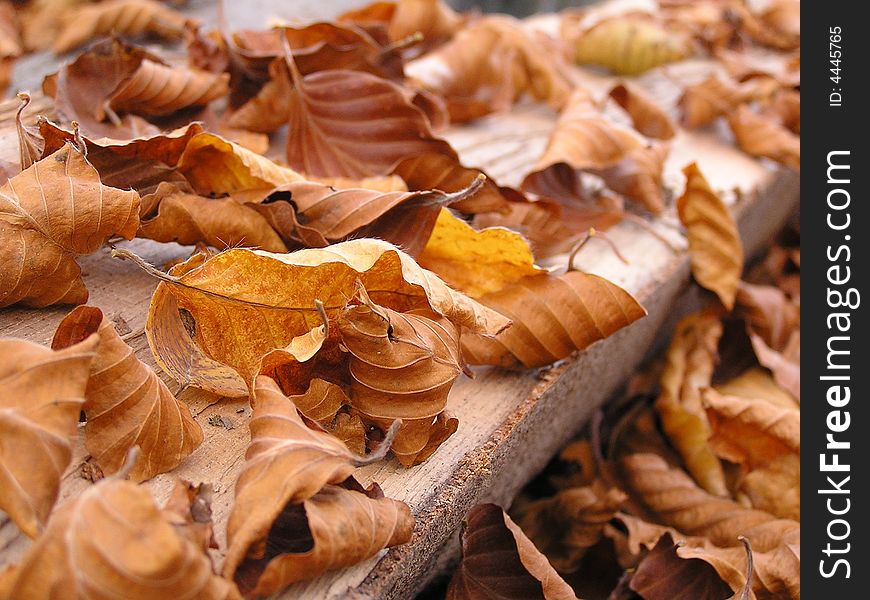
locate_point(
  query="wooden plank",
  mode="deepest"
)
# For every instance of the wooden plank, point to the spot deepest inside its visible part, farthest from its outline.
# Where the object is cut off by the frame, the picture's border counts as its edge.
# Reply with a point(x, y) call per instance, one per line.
point(511, 423)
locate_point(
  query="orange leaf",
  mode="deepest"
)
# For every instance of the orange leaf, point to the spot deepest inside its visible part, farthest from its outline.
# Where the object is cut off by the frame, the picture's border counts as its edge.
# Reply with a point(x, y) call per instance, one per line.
point(290, 521)
point(41, 395)
point(689, 366)
point(51, 213)
point(552, 317)
point(586, 141)
point(759, 136)
point(121, 17)
point(702, 103)
point(715, 248)
point(646, 116)
point(499, 561)
point(112, 541)
point(126, 403)
point(179, 216)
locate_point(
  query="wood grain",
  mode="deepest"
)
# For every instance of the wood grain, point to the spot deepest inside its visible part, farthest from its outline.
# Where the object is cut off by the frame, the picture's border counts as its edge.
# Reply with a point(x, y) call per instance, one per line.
point(511, 423)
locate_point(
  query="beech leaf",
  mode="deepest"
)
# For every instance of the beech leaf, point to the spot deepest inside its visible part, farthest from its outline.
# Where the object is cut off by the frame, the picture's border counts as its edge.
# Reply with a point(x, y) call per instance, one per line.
point(50, 213)
point(552, 317)
point(41, 396)
point(715, 249)
point(127, 404)
point(759, 136)
point(646, 116)
point(499, 561)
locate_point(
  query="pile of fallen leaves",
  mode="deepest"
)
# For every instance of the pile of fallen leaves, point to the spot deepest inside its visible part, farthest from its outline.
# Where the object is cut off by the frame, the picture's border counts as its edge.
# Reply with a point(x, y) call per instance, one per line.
point(348, 266)
point(689, 489)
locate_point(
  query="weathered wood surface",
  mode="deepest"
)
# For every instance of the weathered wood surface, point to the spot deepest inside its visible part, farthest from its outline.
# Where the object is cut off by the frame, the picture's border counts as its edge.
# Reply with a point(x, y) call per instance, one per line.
point(511, 423)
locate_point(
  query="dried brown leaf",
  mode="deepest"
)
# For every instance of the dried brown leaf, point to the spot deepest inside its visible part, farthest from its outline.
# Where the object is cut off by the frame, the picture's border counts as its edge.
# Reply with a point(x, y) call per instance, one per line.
point(112, 540)
point(499, 561)
point(565, 526)
point(756, 383)
point(51, 213)
point(126, 403)
point(646, 116)
point(121, 17)
point(715, 248)
point(784, 365)
point(179, 216)
point(671, 496)
point(552, 317)
point(769, 313)
point(402, 366)
point(759, 136)
point(274, 295)
point(42, 395)
point(702, 103)
point(287, 523)
point(586, 141)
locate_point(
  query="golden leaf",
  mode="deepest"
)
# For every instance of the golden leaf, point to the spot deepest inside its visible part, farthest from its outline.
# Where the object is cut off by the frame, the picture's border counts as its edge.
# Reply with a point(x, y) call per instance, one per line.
point(630, 44)
point(689, 367)
point(675, 500)
point(51, 213)
point(476, 262)
point(42, 396)
point(552, 317)
point(568, 524)
point(271, 297)
point(756, 383)
point(402, 366)
point(765, 440)
point(646, 116)
point(112, 541)
point(715, 248)
point(586, 141)
point(179, 216)
point(126, 403)
point(498, 560)
point(122, 17)
point(290, 521)
point(762, 137)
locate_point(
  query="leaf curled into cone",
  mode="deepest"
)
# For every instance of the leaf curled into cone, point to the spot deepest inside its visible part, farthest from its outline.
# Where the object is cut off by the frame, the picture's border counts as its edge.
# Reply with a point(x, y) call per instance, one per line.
point(715, 249)
point(41, 396)
point(270, 298)
point(499, 561)
point(112, 541)
point(689, 365)
point(124, 17)
point(296, 512)
point(50, 213)
point(402, 366)
point(552, 316)
point(126, 403)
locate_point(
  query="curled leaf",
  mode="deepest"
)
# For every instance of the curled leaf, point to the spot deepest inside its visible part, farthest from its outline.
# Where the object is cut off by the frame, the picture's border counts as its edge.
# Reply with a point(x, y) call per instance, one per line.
point(402, 366)
point(41, 396)
point(123, 17)
point(499, 561)
point(51, 213)
point(126, 403)
point(552, 317)
point(675, 500)
point(186, 218)
point(702, 103)
point(646, 116)
point(762, 137)
point(689, 367)
point(274, 296)
point(96, 544)
point(715, 249)
point(565, 526)
point(434, 19)
point(630, 44)
point(586, 141)
point(290, 521)
point(769, 313)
